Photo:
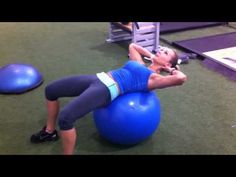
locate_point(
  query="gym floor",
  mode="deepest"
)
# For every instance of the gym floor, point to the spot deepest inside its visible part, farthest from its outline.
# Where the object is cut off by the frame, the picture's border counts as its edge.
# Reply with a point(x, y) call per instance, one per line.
point(197, 118)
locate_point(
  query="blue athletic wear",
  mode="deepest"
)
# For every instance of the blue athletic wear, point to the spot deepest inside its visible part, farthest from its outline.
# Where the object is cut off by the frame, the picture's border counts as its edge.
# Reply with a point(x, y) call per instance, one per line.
point(132, 77)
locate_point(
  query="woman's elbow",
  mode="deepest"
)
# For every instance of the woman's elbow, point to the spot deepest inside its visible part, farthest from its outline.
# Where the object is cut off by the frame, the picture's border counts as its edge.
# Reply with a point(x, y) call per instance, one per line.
point(132, 46)
point(182, 79)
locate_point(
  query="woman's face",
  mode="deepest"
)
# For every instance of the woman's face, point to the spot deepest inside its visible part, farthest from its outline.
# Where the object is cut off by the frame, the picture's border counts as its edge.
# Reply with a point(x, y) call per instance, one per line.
point(164, 56)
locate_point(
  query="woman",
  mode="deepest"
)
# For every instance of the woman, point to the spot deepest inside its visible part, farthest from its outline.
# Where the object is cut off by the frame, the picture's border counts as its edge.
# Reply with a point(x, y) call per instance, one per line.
point(94, 91)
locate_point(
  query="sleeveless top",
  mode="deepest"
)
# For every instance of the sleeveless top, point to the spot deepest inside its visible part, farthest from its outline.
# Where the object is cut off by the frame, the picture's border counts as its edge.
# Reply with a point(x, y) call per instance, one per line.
point(132, 77)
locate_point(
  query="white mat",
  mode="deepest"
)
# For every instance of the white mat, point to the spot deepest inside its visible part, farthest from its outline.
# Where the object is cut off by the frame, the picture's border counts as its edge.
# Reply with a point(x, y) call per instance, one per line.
point(226, 57)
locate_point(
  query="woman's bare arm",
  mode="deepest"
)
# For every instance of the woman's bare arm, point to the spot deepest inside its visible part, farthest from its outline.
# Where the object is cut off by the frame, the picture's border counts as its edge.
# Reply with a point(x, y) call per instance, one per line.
point(136, 52)
point(158, 81)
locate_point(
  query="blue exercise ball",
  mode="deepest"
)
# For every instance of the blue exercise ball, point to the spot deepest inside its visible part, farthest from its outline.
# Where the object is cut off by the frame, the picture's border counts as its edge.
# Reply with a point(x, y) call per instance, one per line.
point(19, 78)
point(129, 119)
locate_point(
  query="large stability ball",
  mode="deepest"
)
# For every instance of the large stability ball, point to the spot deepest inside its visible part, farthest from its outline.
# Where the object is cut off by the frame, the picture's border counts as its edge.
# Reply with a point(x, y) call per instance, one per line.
point(129, 119)
point(19, 78)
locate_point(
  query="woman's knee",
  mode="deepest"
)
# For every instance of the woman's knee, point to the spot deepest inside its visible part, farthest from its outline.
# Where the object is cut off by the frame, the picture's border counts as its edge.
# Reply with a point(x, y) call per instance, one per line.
point(65, 120)
point(50, 92)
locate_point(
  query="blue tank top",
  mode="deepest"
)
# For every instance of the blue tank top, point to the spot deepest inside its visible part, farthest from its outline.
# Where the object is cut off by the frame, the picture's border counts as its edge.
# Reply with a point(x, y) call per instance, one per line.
point(132, 77)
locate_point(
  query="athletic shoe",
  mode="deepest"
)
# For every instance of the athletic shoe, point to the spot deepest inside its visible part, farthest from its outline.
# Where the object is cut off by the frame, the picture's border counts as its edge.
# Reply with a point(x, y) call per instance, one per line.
point(43, 136)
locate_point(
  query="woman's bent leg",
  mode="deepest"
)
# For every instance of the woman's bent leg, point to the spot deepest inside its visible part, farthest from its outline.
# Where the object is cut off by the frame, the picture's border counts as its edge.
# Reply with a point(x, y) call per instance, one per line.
point(65, 87)
point(97, 95)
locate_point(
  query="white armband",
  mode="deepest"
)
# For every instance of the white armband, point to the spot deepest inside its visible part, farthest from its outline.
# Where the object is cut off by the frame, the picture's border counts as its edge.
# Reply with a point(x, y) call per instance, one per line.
point(152, 56)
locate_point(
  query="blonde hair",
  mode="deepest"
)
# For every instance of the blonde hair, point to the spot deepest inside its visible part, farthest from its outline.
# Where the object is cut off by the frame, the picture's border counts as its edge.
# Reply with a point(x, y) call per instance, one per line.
point(174, 59)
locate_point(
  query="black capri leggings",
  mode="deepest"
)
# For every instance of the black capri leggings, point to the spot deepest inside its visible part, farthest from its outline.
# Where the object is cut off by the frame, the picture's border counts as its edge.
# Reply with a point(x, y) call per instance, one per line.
point(89, 92)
